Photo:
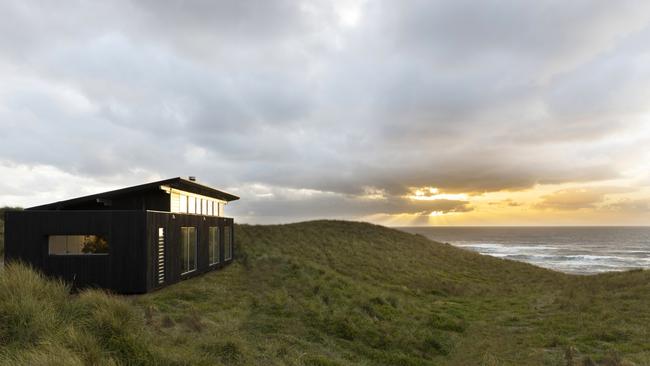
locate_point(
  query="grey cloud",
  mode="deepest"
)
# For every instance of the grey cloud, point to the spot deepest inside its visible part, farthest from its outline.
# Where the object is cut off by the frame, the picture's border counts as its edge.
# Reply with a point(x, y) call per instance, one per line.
point(464, 96)
point(272, 204)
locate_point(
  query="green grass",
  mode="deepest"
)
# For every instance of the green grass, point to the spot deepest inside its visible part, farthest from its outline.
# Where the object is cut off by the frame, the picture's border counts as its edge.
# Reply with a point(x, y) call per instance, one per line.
point(337, 293)
point(2, 237)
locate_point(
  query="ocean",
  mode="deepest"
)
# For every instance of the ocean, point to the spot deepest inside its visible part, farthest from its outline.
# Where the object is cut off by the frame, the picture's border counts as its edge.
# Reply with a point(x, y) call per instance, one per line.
point(577, 250)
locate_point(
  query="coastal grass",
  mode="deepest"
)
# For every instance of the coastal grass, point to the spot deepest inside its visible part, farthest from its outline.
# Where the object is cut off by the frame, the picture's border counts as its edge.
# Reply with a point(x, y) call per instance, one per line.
point(336, 293)
point(2, 236)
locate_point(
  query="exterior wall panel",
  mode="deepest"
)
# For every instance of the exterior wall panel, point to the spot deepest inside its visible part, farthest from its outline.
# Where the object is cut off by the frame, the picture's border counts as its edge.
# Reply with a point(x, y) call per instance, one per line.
point(131, 265)
point(122, 270)
point(172, 223)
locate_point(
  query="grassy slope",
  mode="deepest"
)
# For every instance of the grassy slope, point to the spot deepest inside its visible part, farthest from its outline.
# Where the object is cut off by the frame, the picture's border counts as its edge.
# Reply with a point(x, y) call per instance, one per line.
point(2, 235)
point(338, 293)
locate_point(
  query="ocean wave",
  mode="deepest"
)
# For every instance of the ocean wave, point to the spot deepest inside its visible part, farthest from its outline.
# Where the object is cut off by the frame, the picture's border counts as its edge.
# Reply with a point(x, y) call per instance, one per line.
point(564, 259)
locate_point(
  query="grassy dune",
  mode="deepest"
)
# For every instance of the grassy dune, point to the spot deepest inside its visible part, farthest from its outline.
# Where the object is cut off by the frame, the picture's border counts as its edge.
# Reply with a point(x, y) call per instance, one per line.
point(337, 293)
point(2, 236)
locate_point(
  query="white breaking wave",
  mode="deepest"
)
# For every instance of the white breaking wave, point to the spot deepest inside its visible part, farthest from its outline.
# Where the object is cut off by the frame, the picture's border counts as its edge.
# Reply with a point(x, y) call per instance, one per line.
point(582, 250)
point(551, 257)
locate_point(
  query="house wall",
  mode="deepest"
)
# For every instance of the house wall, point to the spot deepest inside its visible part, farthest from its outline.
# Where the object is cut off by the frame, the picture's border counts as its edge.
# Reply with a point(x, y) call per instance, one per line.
point(122, 270)
point(172, 223)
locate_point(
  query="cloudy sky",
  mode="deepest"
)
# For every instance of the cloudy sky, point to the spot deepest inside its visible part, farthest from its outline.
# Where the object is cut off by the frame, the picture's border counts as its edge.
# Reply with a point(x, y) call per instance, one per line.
point(396, 112)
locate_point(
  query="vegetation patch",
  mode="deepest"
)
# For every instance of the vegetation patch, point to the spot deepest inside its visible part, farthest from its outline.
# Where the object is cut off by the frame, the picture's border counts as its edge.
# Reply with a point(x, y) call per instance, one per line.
point(336, 293)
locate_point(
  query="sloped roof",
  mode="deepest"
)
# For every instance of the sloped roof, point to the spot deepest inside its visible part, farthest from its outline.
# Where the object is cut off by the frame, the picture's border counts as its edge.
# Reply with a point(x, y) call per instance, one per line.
point(178, 183)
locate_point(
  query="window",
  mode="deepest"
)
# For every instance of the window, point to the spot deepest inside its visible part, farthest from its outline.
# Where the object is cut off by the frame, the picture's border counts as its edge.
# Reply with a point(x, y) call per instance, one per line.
point(191, 205)
point(175, 201)
point(213, 245)
point(221, 213)
point(183, 203)
point(188, 249)
point(204, 206)
point(77, 244)
point(211, 208)
point(227, 242)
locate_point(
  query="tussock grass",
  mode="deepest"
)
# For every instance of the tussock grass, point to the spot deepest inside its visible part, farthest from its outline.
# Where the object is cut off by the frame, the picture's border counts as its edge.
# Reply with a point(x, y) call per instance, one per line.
point(337, 293)
point(42, 324)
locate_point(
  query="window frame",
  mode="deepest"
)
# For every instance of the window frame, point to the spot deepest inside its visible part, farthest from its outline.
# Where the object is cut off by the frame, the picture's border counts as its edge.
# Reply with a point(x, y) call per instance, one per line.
point(227, 233)
point(196, 239)
point(104, 237)
point(183, 204)
point(214, 248)
point(191, 204)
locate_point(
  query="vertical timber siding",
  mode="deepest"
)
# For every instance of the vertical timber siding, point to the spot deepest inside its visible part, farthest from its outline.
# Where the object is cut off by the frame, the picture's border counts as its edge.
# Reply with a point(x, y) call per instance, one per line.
point(122, 270)
point(172, 223)
point(131, 265)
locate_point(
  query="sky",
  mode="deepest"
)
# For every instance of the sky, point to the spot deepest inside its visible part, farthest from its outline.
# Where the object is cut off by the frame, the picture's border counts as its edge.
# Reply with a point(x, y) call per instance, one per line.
point(395, 112)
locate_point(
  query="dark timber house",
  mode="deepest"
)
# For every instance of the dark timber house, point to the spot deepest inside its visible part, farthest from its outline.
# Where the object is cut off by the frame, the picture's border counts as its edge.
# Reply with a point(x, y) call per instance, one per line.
point(131, 240)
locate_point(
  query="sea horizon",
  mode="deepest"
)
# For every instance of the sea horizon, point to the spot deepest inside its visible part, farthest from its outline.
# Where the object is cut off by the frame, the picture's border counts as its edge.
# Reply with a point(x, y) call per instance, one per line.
point(568, 249)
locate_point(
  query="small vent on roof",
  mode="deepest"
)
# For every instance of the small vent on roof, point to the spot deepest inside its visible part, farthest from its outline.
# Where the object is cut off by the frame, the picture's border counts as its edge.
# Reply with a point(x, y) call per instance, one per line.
point(192, 178)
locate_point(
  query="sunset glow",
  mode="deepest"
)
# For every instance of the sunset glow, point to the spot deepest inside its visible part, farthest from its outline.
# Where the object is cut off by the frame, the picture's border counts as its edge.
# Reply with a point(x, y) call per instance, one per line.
point(398, 113)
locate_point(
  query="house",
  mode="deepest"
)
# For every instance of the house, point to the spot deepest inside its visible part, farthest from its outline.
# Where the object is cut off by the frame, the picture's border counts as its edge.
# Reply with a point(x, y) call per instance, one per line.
point(131, 240)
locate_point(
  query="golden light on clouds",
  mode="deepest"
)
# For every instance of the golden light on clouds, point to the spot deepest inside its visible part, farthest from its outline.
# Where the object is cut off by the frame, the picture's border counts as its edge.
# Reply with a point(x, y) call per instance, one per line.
point(615, 202)
point(432, 194)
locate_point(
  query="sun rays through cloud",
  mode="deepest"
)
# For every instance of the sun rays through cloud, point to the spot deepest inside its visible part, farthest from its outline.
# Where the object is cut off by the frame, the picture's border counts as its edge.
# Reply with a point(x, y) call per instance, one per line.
point(400, 113)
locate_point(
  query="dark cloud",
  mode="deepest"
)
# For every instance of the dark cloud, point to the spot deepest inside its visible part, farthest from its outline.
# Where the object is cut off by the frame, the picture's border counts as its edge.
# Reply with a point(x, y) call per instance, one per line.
point(465, 96)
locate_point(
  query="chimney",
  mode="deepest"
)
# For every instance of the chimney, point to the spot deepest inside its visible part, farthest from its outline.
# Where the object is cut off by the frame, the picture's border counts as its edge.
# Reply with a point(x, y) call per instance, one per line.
point(192, 178)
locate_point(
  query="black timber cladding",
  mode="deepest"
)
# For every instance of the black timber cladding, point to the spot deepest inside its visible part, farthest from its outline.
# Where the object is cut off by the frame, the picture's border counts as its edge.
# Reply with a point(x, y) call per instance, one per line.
point(121, 270)
point(172, 224)
point(129, 219)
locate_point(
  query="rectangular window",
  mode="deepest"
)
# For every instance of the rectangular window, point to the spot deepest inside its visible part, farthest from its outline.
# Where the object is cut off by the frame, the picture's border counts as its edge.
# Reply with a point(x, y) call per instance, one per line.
point(211, 208)
point(227, 242)
point(77, 245)
point(183, 204)
point(174, 202)
point(188, 249)
point(221, 209)
point(204, 206)
point(191, 205)
point(213, 245)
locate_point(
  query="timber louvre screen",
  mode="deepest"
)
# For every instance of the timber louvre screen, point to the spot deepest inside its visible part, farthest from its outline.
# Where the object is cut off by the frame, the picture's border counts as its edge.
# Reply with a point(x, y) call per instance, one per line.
point(161, 255)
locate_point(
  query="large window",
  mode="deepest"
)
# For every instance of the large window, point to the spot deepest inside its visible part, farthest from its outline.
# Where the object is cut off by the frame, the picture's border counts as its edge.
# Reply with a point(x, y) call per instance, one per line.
point(188, 249)
point(77, 244)
point(227, 243)
point(213, 245)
